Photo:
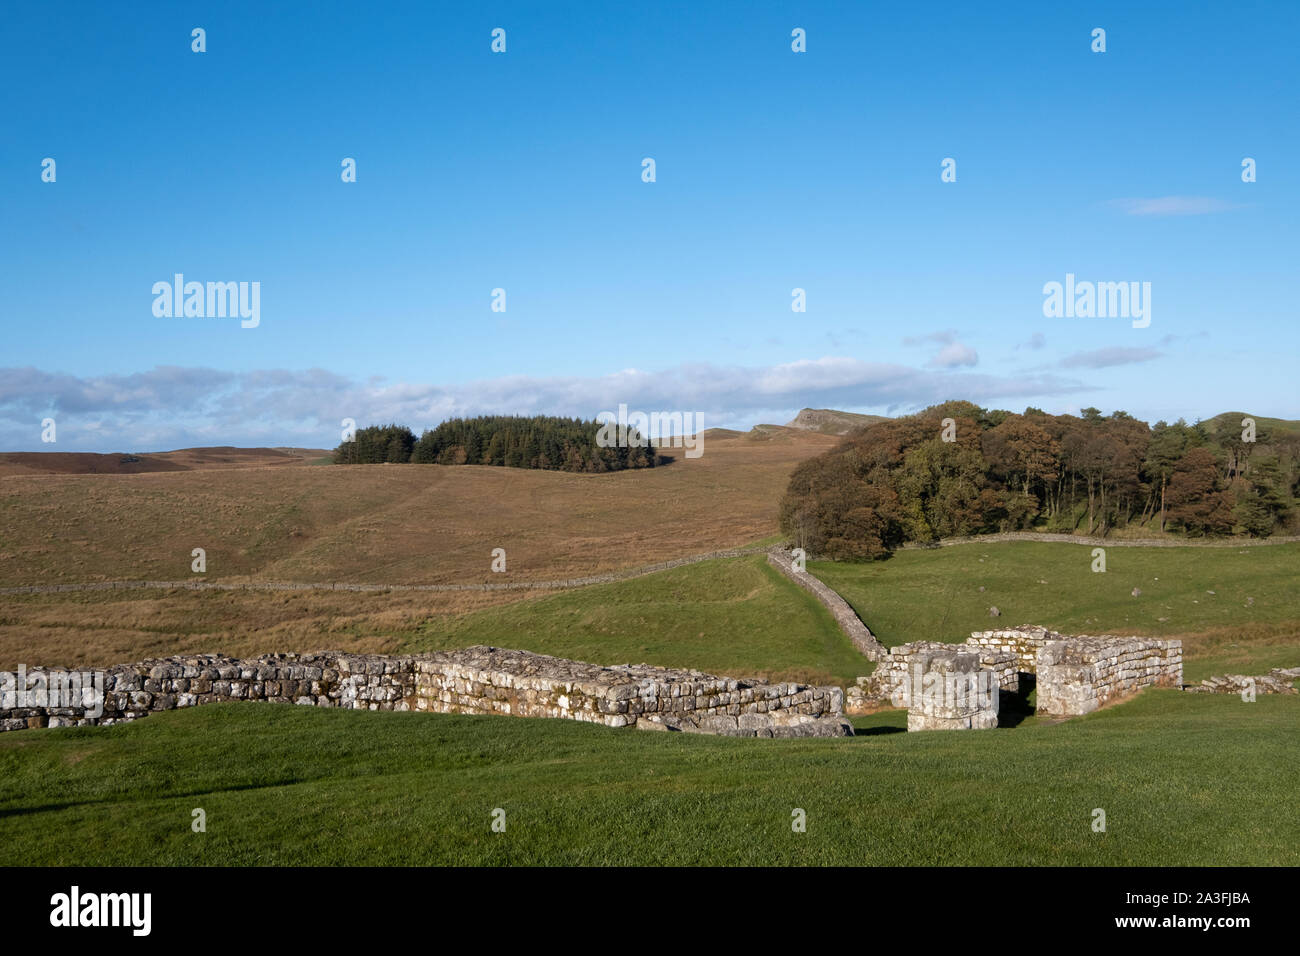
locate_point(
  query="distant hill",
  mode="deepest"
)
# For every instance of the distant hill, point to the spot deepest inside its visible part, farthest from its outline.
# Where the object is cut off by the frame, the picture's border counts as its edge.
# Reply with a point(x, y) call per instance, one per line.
point(124, 463)
point(1231, 422)
point(828, 421)
point(780, 433)
point(771, 433)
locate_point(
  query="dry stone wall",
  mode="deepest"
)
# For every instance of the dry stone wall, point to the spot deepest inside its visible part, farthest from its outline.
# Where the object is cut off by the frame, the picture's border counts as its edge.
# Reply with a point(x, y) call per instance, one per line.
point(1076, 674)
point(486, 680)
point(844, 615)
point(1080, 674)
point(1048, 536)
point(494, 680)
point(130, 691)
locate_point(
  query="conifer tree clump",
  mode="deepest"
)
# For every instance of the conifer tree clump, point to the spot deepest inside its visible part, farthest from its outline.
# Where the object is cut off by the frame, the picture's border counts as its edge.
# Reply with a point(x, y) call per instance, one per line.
point(511, 441)
point(376, 445)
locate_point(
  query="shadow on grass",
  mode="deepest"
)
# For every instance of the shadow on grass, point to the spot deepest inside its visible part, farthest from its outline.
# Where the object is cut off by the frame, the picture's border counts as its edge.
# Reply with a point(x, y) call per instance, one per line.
point(877, 731)
point(118, 798)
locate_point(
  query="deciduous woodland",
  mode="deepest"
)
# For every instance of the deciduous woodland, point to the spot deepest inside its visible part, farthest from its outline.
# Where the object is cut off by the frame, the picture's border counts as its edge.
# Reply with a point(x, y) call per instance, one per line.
point(555, 444)
point(959, 469)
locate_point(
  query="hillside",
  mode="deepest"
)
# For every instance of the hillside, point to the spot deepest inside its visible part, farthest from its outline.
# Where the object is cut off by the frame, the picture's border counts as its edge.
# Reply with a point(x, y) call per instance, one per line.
point(261, 516)
point(378, 524)
point(402, 524)
point(828, 421)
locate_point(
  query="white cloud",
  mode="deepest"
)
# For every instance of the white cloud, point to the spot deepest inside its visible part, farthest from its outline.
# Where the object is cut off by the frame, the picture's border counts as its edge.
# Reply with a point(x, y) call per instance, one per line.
point(171, 407)
point(955, 355)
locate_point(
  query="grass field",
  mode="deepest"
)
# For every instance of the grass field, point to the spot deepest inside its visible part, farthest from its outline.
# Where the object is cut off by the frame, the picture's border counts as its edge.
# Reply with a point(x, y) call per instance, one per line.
point(738, 616)
point(732, 616)
point(1250, 623)
point(1183, 779)
point(729, 616)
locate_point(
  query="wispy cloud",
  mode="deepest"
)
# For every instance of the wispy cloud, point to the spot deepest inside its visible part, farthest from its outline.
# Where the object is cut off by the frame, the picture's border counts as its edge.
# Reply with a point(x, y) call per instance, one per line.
point(943, 337)
point(1108, 357)
point(1172, 206)
point(171, 407)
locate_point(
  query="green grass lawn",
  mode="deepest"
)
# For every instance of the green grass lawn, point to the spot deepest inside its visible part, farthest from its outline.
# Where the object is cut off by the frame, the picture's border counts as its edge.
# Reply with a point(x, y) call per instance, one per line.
point(738, 616)
point(733, 616)
point(1183, 779)
point(1249, 624)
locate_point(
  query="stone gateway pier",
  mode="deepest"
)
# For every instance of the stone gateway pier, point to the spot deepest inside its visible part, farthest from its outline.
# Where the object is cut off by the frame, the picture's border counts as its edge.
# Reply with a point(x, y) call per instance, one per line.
point(949, 690)
point(1074, 675)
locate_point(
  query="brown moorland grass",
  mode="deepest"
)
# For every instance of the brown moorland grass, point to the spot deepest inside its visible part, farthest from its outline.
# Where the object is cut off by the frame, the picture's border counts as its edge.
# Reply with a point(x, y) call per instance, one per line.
point(362, 524)
point(101, 628)
point(391, 524)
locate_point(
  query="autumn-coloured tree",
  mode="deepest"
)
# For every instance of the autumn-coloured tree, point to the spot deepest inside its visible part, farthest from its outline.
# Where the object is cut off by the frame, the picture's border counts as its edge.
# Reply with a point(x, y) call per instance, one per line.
point(1194, 497)
point(1021, 453)
point(956, 469)
point(1169, 443)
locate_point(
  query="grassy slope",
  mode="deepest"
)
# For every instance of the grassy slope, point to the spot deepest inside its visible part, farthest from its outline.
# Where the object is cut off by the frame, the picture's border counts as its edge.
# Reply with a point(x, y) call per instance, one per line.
point(391, 524)
point(934, 595)
point(736, 616)
point(1183, 779)
point(381, 524)
point(732, 616)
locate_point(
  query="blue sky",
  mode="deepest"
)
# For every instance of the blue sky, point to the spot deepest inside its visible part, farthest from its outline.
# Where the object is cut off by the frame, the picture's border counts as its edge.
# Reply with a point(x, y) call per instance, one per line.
point(522, 170)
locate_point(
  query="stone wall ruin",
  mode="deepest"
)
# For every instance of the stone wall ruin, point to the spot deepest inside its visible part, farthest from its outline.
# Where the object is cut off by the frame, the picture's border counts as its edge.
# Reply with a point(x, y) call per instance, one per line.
point(1280, 680)
point(1077, 675)
point(1074, 674)
point(840, 609)
point(475, 680)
